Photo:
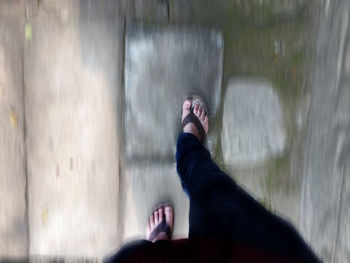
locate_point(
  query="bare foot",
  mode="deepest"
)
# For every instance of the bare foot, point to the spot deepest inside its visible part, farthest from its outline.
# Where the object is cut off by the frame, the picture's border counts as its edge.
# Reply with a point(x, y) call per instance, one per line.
point(160, 225)
point(201, 115)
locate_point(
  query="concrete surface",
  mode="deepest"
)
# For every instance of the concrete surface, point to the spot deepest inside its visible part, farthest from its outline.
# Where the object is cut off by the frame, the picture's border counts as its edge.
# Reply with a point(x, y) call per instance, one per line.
point(324, 212)
point(157, 81)
point(147, 185)
point(252, 129)
point(254, 140)
point(13, 211)
point(100, 150)
point(72, 94)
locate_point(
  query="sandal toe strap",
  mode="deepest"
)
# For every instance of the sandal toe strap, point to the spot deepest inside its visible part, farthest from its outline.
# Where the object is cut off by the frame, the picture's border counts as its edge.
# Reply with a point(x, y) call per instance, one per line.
point(162, 227)
point(193, 119)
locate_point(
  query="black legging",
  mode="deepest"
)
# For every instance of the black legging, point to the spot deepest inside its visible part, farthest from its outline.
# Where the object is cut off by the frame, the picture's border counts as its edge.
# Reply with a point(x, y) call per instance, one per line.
point(220, 208)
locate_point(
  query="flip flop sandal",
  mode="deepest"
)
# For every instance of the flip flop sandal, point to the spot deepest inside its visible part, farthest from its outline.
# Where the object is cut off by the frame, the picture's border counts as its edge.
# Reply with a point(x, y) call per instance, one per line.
point(191, 117)
point(163, 226)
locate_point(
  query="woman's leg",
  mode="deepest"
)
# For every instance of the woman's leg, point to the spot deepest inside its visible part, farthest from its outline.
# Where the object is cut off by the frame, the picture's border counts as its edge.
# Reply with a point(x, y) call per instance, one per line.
point(219, 208)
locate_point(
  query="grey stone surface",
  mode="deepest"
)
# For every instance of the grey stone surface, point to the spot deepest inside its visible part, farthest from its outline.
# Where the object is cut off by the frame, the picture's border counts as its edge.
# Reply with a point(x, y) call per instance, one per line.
point(13, 215)
point(342, 245)
point(260, 13)
point(157, 9)
point(73, 90)
point(73, 106)
point(147, 185)
point(163, 64)
point(150, 10)
point(252, 123)
point(324, 212)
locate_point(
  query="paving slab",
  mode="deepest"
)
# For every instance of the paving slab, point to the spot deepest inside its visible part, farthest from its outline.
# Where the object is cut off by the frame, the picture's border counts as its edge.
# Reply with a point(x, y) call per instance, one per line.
point(253, 129)
point(164, 64)
point(73, 85)
point(13, 213)
point(256, 145)
point(324, 212)
point(147, 185)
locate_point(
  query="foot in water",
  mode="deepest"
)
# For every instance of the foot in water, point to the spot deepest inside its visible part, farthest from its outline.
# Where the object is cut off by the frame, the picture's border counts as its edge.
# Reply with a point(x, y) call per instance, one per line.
point(160, 225)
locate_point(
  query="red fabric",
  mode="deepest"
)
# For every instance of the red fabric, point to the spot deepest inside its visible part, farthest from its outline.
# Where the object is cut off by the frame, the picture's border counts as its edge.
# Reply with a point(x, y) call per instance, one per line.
point(203, 250)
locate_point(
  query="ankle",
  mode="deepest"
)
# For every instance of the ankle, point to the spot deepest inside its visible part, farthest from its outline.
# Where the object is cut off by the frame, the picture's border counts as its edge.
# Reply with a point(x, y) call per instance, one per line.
point(191, 128)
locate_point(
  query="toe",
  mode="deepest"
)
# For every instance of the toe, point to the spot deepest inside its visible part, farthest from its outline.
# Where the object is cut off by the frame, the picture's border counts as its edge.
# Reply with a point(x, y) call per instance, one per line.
point(205, 120)
point(203, 115)
point(156, 217)
point(160, 214)
point(195, 109)
point(199, 113)
point(186, 108)
point(169, 216)
point(187, 104)
point(151, 221)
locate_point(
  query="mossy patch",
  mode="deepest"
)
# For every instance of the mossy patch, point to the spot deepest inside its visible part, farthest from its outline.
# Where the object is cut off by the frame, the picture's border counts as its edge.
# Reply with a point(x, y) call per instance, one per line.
point(278, 173)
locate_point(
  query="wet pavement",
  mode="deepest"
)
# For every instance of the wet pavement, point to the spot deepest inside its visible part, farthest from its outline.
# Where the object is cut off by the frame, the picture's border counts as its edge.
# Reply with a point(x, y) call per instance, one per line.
point(91, 95)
